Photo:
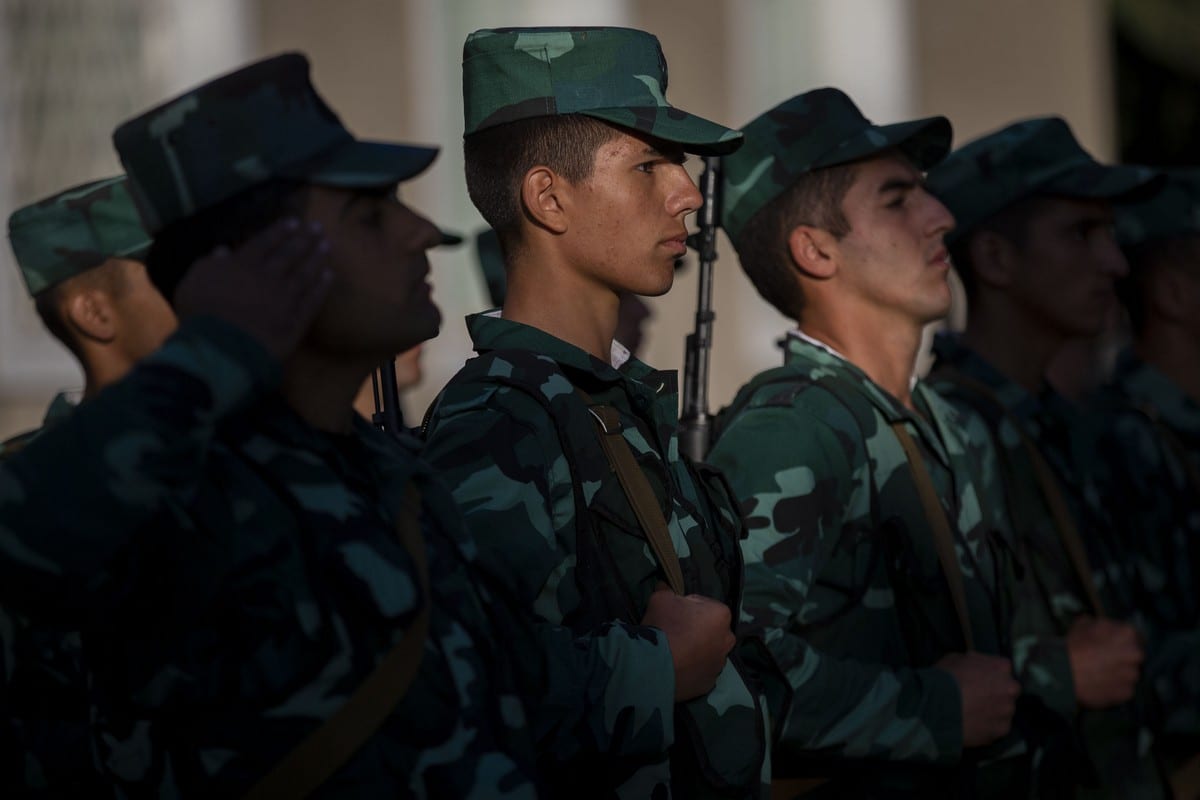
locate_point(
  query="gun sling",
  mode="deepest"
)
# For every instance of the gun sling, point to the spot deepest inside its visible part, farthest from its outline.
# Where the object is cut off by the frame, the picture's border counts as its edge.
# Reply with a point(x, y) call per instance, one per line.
point(939, 524)
point(637, 490)
point(1068, 534)
point(326, 749)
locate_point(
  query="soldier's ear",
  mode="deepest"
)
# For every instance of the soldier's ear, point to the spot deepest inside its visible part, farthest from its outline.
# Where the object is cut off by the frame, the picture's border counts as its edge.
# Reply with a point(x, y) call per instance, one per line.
point(90, 315)
point(994, 258)
point(813, 251)
point(1170, 295)
point(544, 198)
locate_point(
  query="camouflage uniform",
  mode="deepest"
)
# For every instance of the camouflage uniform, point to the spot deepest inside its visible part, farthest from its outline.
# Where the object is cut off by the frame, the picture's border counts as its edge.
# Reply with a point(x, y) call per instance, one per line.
point(1110, 752)
point(519, 445)
point(842, 579)
point(237, 573)
point(1149, 454)
point(842, 575)
point(43, 689)
point(1149, 470)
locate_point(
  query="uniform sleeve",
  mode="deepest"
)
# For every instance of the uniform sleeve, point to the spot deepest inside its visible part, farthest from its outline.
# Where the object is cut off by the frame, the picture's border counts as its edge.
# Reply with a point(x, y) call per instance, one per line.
point(611, 691)
point(72, 501)
point(1043, 668)
point(800, 490)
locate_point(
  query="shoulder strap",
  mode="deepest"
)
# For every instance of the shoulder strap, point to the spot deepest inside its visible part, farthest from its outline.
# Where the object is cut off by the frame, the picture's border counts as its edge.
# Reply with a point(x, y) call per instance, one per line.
point(1177, 448)
point(943, 537)
point(1068, 534)
point(637, 489)
point(325, 750)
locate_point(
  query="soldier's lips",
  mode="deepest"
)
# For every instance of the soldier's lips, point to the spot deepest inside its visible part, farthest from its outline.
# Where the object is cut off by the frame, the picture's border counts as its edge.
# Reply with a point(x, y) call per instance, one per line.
point(676, 244)
point(940, 259)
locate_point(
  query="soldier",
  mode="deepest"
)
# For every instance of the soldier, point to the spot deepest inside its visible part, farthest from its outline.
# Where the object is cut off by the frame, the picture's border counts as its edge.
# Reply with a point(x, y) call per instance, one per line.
point(1150, 451)
point(275, 596)
point(875, 568)
point(80, 254)
point(1035, 251)
point(560, 446)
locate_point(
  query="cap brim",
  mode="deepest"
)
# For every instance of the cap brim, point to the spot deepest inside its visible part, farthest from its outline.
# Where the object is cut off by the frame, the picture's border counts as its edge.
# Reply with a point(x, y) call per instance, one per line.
point(926, 141)
point(695, 134)
point(1116, 182)
point(358, 164)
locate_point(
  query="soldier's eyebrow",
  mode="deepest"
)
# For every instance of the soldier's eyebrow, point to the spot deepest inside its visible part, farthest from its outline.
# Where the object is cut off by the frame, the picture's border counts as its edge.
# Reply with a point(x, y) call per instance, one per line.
point(360, 195)
point(675, 154)
point(899, 185)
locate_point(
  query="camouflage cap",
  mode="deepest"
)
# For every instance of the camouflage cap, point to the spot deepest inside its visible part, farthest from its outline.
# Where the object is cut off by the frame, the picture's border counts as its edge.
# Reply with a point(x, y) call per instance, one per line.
point(74, 231)
point(1034, 156)
point(817, 129)
point(618, 75)
point(1172, 211)
point(260, 122)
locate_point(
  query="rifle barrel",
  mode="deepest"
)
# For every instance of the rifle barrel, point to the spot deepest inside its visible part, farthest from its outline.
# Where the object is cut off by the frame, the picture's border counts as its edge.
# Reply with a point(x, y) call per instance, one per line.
point(694, 420)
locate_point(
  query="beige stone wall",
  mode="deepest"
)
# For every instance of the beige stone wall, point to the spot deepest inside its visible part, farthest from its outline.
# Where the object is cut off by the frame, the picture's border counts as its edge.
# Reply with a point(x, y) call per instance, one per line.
point(985, 63)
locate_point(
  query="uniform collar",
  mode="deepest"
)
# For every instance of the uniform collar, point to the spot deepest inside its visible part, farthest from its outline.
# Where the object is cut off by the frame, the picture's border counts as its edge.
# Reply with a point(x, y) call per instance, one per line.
point(490, 331)
point(817, 359)
point(61, 407)
point(1144, 384)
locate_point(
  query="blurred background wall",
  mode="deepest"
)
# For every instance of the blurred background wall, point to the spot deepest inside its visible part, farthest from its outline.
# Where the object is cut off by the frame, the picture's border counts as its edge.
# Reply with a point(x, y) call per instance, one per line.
point(71, 69)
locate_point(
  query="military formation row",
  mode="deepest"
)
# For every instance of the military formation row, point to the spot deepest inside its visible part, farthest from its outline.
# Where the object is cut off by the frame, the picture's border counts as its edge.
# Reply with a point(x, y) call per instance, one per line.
point(218, 580)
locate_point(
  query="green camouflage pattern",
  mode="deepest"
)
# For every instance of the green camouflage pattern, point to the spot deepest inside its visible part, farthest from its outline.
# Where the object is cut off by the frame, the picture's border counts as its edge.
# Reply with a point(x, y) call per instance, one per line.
point(1149, 470)
point(820, 128)
point(242, 129)
point(74, 231)
point(518, 444)
point(618, 75)
point(1112, 752)
point(843, 581)
point(235, 574)
point(1174, 210)
point(1033, 156)
point(45, 744)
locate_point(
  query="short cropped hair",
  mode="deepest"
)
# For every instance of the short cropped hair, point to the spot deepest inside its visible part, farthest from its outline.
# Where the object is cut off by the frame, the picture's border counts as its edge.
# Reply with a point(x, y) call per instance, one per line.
point(815, 200)
point(229, 224)
point(497, 159)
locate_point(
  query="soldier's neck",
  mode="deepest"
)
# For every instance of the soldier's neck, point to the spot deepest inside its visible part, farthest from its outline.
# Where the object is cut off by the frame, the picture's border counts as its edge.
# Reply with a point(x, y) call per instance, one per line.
point(1019, 348)
point(321, 388)
point(884, 348)
point(100, 369)
point(563, 304)
point(1173, 353)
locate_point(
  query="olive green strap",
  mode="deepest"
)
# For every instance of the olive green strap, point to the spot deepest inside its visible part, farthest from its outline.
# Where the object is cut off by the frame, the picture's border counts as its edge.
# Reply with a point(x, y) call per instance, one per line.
point(1068, 534)
point(325, 750)
point(1177, 447)
point(637, 490)
point(939, 525)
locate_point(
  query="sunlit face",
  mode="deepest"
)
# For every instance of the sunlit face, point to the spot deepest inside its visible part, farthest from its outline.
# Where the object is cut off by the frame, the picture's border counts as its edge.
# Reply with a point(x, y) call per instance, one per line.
point(626, 221)
point(893, 257)
point(1068, 264)
point(380, 301)
point(144, 318)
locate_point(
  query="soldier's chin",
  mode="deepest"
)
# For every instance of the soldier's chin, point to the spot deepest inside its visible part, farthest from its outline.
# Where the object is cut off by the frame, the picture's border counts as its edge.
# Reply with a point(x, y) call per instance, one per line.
point(433, 320)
